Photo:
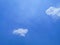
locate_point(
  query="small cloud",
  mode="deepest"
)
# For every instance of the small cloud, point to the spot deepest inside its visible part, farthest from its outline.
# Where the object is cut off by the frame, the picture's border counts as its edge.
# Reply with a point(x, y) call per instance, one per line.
point(53, 11)
point(21, 32)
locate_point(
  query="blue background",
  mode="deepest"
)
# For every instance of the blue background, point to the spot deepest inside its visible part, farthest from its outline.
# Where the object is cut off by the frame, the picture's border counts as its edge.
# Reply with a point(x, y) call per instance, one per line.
point(30, 14)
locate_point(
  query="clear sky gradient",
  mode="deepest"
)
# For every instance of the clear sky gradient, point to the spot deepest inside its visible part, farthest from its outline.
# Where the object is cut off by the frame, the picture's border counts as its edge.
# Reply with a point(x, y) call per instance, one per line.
point(29, 14)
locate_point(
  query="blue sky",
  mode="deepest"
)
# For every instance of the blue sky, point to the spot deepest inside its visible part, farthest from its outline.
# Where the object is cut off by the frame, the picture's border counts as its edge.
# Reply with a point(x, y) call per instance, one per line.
point(29, 14)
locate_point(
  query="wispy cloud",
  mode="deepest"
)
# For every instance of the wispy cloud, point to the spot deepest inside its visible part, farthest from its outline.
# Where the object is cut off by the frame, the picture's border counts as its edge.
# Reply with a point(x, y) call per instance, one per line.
point(53, 11)
point(20, 31)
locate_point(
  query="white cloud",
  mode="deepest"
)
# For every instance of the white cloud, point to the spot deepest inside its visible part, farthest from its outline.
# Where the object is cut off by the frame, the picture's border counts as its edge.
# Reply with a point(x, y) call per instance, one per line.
point(53, 11)
point(21, 32)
